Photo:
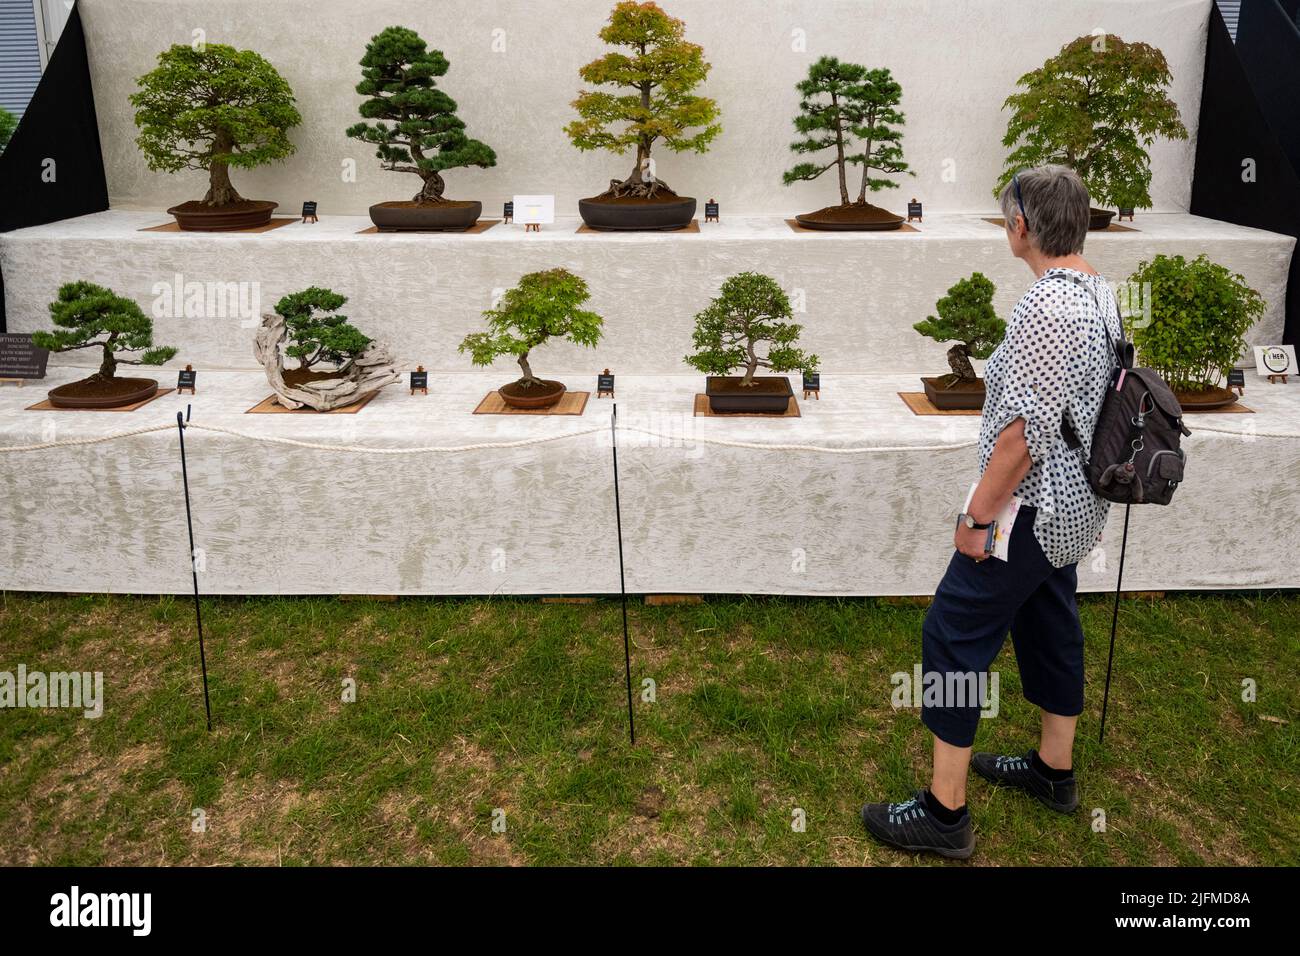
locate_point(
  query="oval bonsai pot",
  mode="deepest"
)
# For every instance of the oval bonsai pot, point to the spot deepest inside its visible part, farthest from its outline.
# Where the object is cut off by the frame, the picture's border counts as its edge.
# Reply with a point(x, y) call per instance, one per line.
point(965, 396)
point(1099, 218)
point(769, 394)
point(1206, 399)
point(93, 393)
point(517, 397)
point(195, 216)
point(855, 217)
point(449, 216)
point(630, 215)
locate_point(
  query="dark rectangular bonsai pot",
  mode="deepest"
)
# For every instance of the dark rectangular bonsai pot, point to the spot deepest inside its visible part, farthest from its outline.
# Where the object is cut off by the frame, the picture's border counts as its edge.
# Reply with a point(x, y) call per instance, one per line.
point(770, 394)
point(968, 396)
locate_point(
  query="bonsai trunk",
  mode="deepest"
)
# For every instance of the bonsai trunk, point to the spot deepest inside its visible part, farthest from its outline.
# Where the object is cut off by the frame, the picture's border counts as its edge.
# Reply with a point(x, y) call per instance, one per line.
point(432, 189)
point(751, 366)
point(529, 379)
point(109, 365)
point(959, 362)
point(839, 154)
point(220, 191)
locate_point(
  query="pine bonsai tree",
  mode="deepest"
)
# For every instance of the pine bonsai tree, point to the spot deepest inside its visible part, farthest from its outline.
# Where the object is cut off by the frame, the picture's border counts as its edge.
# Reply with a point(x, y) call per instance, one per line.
point(660, 70)
point(966, 317)
point(853, 110)
point(543, 305)
point(317, 332)
point(1095, 107)
point(749, 309)
point(426, 136)
point(213, 108)
point(90, 316)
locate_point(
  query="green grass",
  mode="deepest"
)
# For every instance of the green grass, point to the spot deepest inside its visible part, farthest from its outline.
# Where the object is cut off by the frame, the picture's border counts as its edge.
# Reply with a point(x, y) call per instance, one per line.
point(763, 706)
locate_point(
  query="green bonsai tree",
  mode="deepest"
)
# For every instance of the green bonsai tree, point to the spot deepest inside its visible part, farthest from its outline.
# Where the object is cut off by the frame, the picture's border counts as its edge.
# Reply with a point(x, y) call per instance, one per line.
point(1095, 107)
point(213, 108)
point(750, 308)
point(426, 136)
point(316, 331)
point(854, 111)
point(8, 123)
point(660, 71)
point(90, 316)
point(966, 318)
point(1200, 314)
point(542, 306)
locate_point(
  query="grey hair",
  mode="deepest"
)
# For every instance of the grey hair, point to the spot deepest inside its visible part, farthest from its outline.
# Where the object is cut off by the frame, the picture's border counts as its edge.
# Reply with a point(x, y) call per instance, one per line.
point(1056, 208)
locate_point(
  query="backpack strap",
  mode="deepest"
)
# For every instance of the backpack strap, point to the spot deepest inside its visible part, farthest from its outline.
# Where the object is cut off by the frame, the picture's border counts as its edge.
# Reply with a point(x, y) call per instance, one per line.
point(1121, 353)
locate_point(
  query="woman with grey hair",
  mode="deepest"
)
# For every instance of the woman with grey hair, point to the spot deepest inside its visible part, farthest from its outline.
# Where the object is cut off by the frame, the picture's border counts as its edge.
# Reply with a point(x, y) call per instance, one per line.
point(1054, 365)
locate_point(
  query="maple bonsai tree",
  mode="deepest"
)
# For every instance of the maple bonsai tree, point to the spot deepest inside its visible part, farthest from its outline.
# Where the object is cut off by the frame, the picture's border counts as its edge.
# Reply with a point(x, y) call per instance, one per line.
point(212, 108)
point(853, 112)
point(751, 308)
point(542, 306)
point(1095, 107)
point(967, 319)
point(317, 332)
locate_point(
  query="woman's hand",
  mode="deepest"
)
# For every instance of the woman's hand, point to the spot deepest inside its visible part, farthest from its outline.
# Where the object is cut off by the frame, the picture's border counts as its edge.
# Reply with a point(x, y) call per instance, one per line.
point(970, 542)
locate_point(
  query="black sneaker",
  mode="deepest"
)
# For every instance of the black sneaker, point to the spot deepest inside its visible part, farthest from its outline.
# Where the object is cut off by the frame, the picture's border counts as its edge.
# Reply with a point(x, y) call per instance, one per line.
point(1019, 772)
point(911, 826)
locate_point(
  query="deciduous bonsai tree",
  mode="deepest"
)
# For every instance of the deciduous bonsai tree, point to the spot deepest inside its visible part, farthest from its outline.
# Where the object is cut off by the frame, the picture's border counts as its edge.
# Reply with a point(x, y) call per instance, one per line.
point(212, 108)
point(1196, 330)
point(415, 130)
point(89, 316)
point(1095, 106)
point(967, 319)
point(653, 79)
point(853, 112)
point(544, 305)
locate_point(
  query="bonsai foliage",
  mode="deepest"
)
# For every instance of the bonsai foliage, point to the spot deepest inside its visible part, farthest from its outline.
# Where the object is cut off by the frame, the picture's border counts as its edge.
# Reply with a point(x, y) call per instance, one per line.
point(750, 308)
point(90, 316)
point(316, 331)
point(1200, 314)
point(542, 306)
point(966, 317)
point(1095, 107)
point(852, 110)
point(425, 136)
point(213, 108)
point(659, 70)
point(8, 123)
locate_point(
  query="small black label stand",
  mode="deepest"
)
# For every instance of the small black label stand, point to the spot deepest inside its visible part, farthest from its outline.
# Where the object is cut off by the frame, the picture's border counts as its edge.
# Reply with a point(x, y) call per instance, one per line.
point(194, 571)
point(622, 583)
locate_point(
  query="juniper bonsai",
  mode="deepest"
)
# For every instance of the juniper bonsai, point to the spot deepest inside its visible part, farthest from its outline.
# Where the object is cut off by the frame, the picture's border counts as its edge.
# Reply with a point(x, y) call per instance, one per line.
point(316, 330)
point(91, 316)
point(750, 308)
point(966, 318)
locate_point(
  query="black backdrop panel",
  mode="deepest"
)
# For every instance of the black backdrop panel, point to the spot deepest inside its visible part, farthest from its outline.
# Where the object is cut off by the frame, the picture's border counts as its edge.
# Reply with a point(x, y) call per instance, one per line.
point(1268, 45)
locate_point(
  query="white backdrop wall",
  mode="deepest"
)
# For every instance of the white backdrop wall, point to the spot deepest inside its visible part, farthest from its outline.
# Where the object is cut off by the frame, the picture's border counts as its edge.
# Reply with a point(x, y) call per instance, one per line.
point(514, 72)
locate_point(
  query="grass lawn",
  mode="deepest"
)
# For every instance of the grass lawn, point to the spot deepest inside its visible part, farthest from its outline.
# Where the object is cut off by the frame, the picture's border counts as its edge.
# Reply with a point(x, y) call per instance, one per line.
point(763, 706)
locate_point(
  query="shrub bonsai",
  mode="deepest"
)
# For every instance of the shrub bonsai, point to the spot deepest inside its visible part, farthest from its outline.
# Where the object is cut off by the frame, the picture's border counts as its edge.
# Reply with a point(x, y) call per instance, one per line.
point(91, 316)
point(212, 108)
point(659, 71)
point(750, 309)
point(425, 137)
point(1200, 314)
point(853, 111)
point(967, 319)
point(1095, 107)
point(544, 305)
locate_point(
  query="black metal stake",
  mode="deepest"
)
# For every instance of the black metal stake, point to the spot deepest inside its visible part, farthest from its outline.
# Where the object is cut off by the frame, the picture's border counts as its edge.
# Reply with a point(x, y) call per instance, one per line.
point(194, 571)
point(622, 583)
point(1114, 623)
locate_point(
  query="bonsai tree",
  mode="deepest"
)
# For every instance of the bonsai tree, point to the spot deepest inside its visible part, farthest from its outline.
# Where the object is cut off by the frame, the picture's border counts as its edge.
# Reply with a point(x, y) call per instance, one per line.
point(90, 316)
point(1095, 107)
point(966, 318)
point(316, 332)
point(426, 136)
point(659, 71)
point(851, 110)
point(213, 108)
point(750, 308)
point(543, 305)
point(1200, 314)
point(8, 123)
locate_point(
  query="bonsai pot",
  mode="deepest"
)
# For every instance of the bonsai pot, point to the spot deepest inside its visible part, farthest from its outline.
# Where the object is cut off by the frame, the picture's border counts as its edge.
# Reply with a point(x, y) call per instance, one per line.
point(450, 216)
point(195, 216)
point(517, 396)
point(96, 392)
point(1099, 218)
point(963, 395)
point(1205, 400)
point(630, 214)
point(855, 217)
point(769, 394)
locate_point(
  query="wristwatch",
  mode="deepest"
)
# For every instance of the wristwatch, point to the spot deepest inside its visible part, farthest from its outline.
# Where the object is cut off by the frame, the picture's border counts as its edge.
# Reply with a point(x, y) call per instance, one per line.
point(968, 521)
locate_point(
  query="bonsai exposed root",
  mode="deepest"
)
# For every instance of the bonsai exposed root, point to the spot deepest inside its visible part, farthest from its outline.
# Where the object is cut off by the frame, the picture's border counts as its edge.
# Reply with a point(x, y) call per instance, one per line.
point(528, 381)
point(222, 195)
point(636, 189)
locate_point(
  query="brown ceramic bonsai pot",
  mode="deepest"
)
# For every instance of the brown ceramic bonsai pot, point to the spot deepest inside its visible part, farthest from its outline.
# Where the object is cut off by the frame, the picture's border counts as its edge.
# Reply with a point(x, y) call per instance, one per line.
point(96, 392)
point(449, 216)
point(545, 396)
point(195, 216)
point(963, 395)
point(855, 217)
point(628, 215)
point(769, 394)
point(1099, 218)
point(1206, 399)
